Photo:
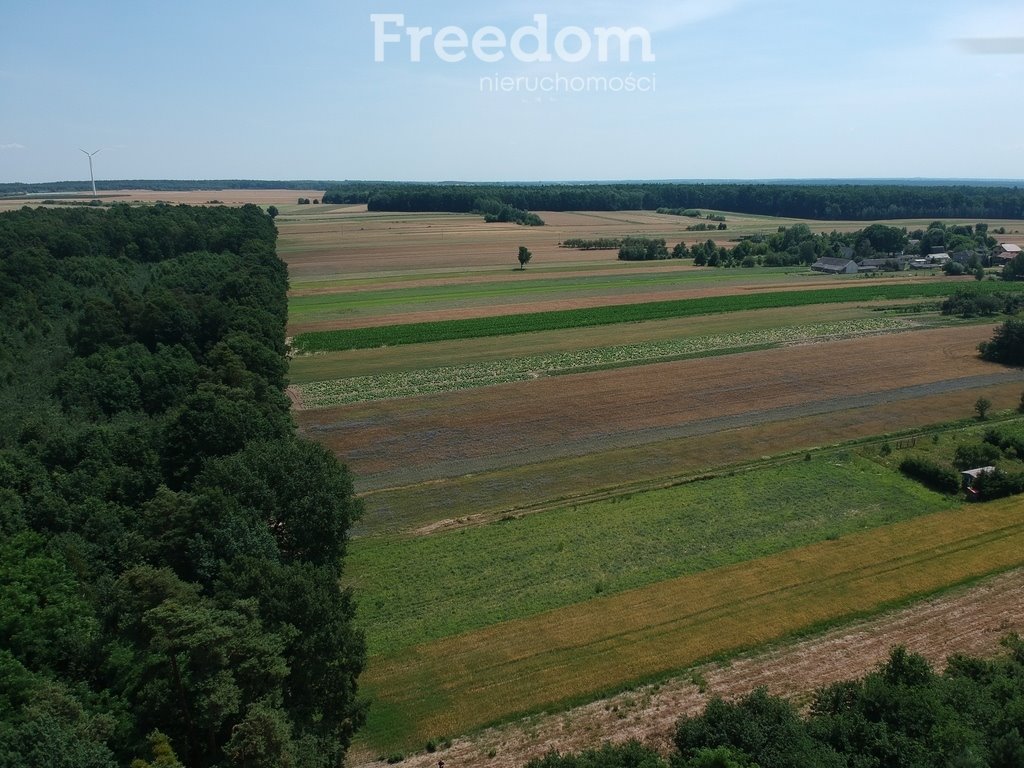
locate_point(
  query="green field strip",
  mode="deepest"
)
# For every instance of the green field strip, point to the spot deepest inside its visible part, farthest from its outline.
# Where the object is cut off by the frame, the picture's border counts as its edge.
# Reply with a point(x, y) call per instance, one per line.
point(576, 653)
point(421, 588)
point(415, 333)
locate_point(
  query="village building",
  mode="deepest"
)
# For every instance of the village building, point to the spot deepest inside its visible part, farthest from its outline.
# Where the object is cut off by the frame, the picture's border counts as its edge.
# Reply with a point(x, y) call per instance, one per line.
point(831, 266)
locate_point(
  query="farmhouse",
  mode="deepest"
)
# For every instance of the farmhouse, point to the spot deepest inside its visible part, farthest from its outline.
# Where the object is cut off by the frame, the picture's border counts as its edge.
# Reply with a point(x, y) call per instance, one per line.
point(832, 266)
point(1005, 252)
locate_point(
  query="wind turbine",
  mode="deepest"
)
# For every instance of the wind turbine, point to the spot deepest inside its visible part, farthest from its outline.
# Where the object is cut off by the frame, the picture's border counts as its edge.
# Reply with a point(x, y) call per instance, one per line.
point(91, 177)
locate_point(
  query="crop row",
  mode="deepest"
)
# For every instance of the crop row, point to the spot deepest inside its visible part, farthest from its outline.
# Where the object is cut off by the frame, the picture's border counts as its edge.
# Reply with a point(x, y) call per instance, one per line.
point(323, 394)
point(478, 327)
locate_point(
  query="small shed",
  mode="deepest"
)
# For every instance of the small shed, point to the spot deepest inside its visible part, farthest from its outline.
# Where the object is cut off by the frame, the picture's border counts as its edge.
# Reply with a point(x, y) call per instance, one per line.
point(969, 479)
point(832, 266)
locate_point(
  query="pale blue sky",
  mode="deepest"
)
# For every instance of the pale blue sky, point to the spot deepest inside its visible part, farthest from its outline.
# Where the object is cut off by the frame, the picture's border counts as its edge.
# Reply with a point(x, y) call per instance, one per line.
point(743, 89)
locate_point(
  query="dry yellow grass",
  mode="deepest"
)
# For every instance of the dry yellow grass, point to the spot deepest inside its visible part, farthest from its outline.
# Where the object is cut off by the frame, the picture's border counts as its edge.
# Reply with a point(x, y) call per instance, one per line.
point(464, 682)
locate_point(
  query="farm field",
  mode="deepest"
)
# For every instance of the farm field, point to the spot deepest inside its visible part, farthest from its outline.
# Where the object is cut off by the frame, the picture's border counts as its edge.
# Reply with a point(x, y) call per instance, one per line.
point(557, 658)
point(575, 510)
point(323, 366)
point(400, 442)
point(489, 496)
point(418, 589)
point(969, 620)
point(324, 243)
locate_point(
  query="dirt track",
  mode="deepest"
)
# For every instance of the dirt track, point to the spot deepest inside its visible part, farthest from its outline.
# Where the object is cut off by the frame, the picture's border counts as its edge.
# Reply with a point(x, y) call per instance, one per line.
point(971, 620)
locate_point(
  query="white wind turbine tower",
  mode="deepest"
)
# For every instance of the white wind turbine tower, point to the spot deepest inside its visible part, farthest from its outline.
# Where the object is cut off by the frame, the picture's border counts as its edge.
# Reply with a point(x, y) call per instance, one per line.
point(91, 177)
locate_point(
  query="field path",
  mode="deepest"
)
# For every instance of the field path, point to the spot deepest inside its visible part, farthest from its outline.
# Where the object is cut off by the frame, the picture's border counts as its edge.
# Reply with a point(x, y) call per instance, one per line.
point(971, 620)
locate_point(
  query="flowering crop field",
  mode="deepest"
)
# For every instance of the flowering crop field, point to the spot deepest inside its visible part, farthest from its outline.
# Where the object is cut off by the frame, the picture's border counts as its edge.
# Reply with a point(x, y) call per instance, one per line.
point(324, 394)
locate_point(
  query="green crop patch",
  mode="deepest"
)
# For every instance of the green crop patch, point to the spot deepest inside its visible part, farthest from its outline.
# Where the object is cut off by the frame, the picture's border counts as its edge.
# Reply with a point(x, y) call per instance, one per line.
point(477, 327)
point(418, 589)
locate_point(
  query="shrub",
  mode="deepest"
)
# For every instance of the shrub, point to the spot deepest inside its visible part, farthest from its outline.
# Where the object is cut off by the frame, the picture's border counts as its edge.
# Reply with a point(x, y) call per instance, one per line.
point(999, 484)
point(1007, 344)
point(931, 473)
point(971, 455)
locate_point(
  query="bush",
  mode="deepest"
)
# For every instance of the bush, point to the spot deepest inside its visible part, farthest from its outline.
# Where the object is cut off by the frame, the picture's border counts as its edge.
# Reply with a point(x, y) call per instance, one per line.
point(999, 484)
point(932, 474)
point(972, 455)
point(1007, 344)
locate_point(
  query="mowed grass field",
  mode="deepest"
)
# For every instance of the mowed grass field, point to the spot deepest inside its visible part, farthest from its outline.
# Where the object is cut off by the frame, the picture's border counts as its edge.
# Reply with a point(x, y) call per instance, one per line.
point(533, 543)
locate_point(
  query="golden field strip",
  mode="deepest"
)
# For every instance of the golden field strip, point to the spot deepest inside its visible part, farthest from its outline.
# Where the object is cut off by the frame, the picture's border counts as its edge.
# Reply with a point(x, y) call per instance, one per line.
point(553, 659)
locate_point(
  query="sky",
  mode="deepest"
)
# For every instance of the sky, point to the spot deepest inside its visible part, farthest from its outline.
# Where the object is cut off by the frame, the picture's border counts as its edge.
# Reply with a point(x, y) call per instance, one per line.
point(330, 89)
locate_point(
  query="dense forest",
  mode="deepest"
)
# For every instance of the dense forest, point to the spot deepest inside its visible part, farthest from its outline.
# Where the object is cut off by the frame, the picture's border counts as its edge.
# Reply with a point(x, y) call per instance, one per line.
point(904, 714)
point(170, 549)
point(860, 202)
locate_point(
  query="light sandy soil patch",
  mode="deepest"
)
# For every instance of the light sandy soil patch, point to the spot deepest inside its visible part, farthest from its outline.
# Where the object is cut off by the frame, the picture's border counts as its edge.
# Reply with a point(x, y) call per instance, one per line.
point(971, 621)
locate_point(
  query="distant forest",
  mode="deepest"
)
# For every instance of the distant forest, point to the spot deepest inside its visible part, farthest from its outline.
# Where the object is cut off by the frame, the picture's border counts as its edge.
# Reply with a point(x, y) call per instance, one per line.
point(809, 201)
point(170, 550)
point(154, 185)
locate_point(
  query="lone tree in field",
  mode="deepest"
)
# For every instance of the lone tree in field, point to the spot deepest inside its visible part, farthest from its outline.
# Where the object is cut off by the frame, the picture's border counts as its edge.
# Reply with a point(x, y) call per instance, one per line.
point(524, 256)
point(981, 407)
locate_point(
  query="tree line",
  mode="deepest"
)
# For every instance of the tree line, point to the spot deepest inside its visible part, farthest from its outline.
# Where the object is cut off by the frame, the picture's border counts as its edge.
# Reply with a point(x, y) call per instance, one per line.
point(903, 714)
point(170, 549)
point(860, 202)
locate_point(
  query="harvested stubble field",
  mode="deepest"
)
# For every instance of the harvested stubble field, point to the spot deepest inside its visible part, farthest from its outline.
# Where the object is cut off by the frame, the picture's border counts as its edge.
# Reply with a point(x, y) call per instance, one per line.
point(556, 658)
point(323, 242)
point(278, 197)
point(400, 442)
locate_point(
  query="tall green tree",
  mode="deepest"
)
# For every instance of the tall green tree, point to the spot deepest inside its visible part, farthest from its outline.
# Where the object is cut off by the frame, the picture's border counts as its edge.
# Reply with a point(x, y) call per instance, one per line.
point(524, 256)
